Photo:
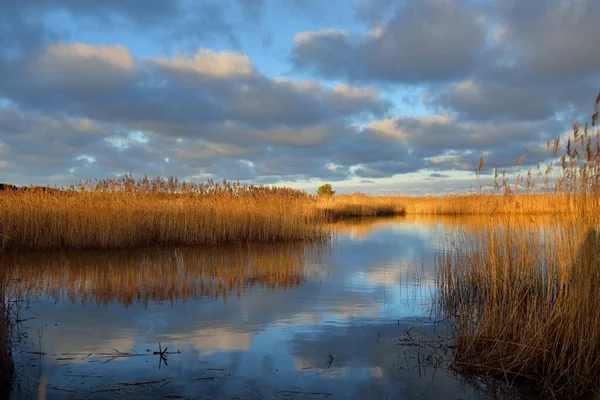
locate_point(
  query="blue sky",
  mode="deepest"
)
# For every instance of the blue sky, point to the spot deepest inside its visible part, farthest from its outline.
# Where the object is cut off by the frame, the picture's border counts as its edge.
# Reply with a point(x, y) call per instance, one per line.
point(381, 96)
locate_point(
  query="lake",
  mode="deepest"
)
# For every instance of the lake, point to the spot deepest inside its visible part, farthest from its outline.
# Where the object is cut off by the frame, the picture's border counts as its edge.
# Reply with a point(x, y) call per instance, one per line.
point(326, 320)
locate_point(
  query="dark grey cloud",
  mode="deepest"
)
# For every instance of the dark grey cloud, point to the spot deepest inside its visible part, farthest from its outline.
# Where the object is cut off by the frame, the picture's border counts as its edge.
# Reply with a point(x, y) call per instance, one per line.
point(485, 100)
point(210, 114)
point(447, 143)
point(548, 41)
point(488, 100)
point(438, 175)
point(519, 63)
point(544, 64)
point(207, 94)
point(383, 169)
point(425, 41)
point(435, 134)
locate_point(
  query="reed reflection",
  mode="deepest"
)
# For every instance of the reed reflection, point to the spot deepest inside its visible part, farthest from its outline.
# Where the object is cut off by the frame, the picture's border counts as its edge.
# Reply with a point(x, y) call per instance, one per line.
point(167, 274)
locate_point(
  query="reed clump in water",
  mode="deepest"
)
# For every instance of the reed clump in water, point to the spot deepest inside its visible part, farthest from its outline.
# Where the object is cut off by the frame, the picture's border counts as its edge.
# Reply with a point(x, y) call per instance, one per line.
point(129, 213)
point(525, 300)
point(334, 208)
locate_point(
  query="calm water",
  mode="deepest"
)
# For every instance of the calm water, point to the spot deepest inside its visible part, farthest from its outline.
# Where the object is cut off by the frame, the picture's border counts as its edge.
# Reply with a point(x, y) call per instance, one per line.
point(292, 321)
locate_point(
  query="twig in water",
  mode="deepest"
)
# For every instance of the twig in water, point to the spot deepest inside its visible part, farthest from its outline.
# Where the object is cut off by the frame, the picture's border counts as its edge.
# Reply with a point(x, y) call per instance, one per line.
point(207, 378)
point(302, 392)
point(329, 360)
point(60, 389)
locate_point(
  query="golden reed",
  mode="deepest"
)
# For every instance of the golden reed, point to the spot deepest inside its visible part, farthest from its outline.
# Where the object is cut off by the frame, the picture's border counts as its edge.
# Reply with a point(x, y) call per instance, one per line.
point(125, 213)
point(525, 298)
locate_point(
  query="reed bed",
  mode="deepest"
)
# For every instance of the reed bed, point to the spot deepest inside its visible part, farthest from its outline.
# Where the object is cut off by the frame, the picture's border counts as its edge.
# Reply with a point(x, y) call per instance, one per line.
point(491, 204)
point(335, 208)
point(525, 299)
point(341, 207)
point(125, 213)
point(525, 303)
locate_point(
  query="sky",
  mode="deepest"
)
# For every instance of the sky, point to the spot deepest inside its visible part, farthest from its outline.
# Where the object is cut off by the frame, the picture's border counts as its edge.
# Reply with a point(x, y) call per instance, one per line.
point(377, 96)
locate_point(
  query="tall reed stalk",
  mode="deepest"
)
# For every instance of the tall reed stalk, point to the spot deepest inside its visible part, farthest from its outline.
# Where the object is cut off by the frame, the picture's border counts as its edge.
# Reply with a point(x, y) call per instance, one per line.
point(525, 300)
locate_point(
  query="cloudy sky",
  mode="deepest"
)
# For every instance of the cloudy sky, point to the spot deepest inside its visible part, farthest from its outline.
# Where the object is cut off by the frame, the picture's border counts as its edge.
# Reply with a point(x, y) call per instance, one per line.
point(373, 95)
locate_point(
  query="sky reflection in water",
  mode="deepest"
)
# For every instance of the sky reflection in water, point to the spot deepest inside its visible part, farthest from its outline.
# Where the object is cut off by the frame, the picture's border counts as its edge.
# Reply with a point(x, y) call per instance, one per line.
point(254, 322)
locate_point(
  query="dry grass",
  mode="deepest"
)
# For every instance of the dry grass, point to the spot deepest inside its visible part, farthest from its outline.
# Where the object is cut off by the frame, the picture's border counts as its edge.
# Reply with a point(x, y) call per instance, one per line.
point(525, 299)
point(164, 274)
point(129, 214)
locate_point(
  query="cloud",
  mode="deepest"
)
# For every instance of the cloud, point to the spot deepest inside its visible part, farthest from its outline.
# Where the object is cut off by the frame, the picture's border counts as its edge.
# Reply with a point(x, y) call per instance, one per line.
point(438, 175)
point(210, 63)
point(80, 67)
point(204, 114)
point(489, 100)
point(446, 143)
point(548, 42)
point(380, 89)
point(425, 40)
point(105, 82)
point(444, 132)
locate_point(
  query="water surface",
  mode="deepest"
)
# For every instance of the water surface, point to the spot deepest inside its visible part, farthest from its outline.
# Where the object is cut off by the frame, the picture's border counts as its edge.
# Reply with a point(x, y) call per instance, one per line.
point(282, 321)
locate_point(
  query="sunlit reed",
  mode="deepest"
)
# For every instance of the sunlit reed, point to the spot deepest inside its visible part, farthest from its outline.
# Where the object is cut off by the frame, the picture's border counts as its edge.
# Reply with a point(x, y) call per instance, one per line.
point(334, 208)
point(128, 214)
point(525, 299)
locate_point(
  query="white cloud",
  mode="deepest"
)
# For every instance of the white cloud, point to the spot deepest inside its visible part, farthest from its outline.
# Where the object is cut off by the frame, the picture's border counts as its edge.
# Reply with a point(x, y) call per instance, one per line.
point(304, 37)
point(116, 55)
point(216, 64)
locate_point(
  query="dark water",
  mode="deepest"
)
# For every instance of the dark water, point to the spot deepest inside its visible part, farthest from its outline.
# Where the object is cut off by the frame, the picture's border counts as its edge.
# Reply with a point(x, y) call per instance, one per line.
point(293, 321)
